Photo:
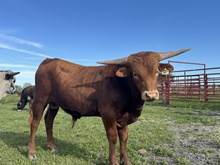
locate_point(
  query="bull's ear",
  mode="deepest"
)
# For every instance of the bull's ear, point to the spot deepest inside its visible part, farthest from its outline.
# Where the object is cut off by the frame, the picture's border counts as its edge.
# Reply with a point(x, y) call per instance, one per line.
point(122, 72)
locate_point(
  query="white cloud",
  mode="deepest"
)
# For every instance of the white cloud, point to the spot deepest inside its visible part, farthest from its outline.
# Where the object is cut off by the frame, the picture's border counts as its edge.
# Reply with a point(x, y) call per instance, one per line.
point(27, 74)
point(31, 58)
point(16, 66)
point(4, 46)
point(21, 41)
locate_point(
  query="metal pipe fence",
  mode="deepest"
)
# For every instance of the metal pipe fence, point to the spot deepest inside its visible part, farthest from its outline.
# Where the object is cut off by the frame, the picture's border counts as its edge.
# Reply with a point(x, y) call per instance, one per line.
point(201, 85)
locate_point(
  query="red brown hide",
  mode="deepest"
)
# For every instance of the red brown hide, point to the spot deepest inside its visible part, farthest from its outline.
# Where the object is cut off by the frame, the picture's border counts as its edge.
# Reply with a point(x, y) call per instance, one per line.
point(116, 92)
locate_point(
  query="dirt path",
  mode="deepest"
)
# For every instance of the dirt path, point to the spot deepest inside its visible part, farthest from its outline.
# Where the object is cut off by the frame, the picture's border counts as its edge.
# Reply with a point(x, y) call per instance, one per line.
point(194, 144)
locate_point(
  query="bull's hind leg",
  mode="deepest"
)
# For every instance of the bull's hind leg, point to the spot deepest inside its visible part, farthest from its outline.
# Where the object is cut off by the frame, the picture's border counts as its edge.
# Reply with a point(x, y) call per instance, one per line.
point(49, 120)
point(30, 113)
point(37, 113)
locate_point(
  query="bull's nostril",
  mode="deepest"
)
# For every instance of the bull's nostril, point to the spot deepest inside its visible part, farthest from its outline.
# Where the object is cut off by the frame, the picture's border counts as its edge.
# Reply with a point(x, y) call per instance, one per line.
point(152, 95)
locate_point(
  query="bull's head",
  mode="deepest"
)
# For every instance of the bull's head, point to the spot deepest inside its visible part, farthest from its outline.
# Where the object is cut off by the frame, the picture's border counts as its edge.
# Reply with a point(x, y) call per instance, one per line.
point(21, 104)
point(7, 82)
point(144, 68)
point(11, 79)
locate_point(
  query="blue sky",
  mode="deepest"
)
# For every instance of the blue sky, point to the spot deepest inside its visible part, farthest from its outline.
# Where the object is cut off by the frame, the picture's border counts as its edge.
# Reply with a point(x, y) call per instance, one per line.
point(87, 31)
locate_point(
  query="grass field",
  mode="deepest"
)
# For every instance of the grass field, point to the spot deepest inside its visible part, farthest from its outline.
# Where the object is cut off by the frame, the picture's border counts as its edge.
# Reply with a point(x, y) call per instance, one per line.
point(152, 139)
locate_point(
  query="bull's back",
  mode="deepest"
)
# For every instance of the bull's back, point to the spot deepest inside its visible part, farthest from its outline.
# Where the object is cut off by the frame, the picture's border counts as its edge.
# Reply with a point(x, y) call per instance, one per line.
point(71, 86)
point(53, 74)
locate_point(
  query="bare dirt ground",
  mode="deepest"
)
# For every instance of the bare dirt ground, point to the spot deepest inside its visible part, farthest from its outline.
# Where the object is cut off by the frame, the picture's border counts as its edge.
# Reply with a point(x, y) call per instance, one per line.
point(194, 144)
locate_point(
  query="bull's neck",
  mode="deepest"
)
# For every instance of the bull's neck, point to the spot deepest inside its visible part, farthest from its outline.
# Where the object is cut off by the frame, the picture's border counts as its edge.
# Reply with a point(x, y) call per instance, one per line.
point(135, 95)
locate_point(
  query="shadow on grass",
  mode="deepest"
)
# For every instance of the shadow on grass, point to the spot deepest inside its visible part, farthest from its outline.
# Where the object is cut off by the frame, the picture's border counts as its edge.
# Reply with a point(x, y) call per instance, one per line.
point(19, 141)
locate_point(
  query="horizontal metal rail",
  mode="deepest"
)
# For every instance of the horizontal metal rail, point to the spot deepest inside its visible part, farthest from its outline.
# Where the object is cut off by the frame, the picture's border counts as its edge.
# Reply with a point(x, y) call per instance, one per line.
point(191, 85)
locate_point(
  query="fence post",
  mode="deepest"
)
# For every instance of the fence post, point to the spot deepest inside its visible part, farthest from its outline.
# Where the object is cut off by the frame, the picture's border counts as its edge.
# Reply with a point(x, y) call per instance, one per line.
point(199, 88)
point(167, 90)
point(206, 87)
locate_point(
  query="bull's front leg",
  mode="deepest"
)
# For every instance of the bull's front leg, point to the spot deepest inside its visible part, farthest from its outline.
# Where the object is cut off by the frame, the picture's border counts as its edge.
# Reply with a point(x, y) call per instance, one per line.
point(123, 137)
point(112, 135)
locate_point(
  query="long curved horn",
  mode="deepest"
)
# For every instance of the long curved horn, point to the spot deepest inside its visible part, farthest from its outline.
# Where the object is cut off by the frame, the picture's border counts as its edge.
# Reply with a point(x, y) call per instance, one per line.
point(120, 61)
point(165, 55)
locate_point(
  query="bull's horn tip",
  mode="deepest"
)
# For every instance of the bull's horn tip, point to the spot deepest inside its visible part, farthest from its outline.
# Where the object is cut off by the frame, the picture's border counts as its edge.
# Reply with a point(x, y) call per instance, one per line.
point(187, 49)
point(100, 62)
point(14, 73)
point(166, 55)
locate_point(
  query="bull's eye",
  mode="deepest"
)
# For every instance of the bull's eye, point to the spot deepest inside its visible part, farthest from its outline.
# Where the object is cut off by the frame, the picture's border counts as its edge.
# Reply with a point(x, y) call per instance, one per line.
point(135, 75)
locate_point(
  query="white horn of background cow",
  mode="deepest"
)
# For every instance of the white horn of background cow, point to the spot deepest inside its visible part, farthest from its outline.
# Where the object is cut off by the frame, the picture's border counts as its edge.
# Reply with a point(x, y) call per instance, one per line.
point(120, 61)
point(165, 55)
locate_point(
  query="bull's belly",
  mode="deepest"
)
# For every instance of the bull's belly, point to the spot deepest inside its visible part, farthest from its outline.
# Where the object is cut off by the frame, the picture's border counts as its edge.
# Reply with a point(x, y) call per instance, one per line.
point(80, 109)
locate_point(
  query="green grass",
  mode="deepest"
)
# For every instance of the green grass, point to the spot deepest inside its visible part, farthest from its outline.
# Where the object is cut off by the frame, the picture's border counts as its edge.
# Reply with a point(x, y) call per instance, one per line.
point(215, 136)
point(182, 161)
point(189, 105)
point(163, 151)
point(86, 143)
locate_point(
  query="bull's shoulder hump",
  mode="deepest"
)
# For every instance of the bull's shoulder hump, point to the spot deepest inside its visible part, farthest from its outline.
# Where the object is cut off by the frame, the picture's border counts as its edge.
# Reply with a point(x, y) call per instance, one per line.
point(56, 61)
point(49, 60)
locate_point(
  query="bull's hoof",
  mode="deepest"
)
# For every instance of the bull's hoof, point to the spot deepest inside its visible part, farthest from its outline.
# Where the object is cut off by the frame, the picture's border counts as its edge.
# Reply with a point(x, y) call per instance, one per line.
point(54, 151)
point(32, 156)
point(122, 162)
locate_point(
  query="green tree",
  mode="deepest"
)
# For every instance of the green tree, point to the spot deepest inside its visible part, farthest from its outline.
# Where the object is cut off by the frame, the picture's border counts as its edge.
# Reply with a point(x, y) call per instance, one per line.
point(26, 85)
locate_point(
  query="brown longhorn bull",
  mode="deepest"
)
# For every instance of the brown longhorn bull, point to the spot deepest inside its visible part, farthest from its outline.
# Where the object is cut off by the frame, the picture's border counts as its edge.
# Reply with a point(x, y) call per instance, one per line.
point(116, 92)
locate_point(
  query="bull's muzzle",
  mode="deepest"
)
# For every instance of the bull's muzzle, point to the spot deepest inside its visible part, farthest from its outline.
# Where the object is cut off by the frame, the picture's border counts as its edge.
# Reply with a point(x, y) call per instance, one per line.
point(150, 95)
point(20, 105)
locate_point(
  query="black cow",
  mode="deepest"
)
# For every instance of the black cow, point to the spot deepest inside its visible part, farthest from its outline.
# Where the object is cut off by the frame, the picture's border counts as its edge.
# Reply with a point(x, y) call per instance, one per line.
point(26, 96)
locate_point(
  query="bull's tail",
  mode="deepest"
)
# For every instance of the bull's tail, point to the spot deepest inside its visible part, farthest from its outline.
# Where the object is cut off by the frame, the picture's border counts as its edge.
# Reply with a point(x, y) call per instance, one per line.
point(30, 118)
point(73, 121)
